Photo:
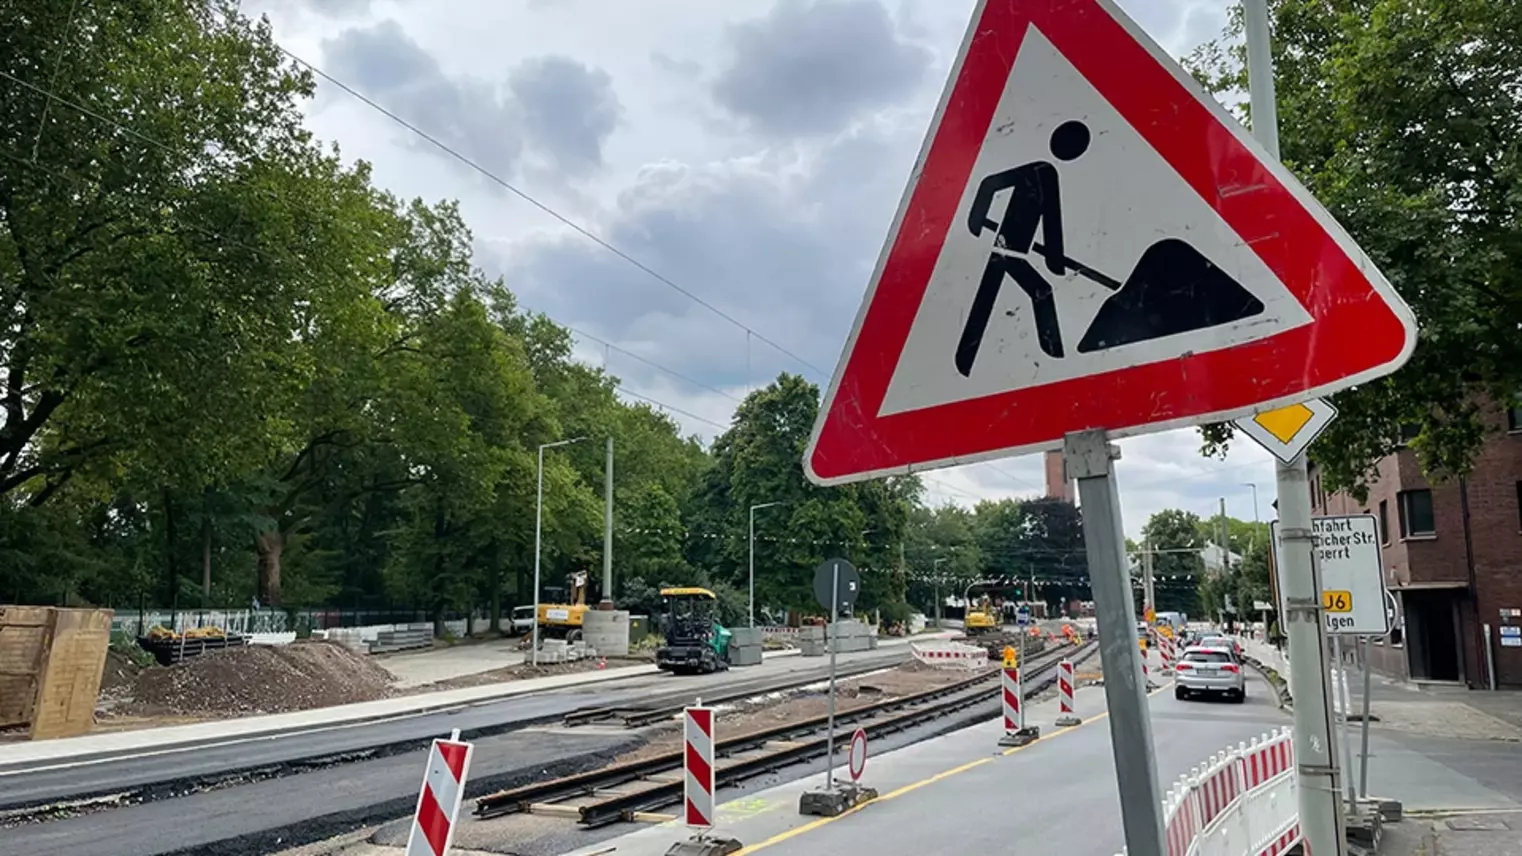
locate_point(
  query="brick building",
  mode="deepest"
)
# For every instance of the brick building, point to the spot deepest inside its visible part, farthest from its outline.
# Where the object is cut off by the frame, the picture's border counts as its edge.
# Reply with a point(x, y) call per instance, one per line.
point(1058, 485)
point(1453, 558)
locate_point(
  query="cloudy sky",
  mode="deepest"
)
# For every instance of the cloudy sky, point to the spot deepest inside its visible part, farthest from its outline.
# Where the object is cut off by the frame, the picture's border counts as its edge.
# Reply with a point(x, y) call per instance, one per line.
point(749, 154)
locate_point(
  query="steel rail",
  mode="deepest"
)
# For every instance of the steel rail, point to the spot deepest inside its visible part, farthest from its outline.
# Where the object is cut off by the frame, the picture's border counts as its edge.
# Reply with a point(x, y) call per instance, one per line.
point(924, 706)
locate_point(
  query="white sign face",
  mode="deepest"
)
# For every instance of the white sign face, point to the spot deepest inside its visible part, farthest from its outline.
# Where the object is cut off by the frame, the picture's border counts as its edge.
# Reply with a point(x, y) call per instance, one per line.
point(1286, 432)
point(1353, 595)
point(557, 614)
point(1125, 216)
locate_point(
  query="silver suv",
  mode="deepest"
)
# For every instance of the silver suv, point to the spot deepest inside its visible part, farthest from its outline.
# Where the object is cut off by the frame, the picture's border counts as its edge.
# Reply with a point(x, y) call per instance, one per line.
point(1209, 670)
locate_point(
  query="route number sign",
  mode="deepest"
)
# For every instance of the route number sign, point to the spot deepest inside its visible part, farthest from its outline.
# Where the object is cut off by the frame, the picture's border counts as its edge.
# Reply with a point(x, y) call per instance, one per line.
point(1347, 553)
point(1337, 601)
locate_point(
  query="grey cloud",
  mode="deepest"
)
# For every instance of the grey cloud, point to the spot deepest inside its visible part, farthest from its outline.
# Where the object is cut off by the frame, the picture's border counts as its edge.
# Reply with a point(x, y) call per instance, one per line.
point(552, 105)
point(786, 250)
point(813, 66)
point(569, 110)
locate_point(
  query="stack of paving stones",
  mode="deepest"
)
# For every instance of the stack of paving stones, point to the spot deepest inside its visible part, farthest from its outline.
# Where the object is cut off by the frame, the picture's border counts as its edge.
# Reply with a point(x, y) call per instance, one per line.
point(402, 639)
point(745, 646)
point(852, 635)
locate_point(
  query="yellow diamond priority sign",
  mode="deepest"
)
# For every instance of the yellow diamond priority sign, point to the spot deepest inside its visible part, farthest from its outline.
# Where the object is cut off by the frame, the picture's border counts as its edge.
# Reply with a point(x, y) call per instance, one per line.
point(1286, 432)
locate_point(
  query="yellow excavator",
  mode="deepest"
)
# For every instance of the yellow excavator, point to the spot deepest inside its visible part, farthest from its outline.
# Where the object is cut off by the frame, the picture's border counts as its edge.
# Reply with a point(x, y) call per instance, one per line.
point(563, 620)
point(982, 618)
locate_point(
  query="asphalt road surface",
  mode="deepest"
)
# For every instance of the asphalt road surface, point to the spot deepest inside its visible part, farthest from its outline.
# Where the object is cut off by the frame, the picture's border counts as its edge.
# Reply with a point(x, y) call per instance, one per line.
point(263, 816)
point(203, 764)
point(1057, 796)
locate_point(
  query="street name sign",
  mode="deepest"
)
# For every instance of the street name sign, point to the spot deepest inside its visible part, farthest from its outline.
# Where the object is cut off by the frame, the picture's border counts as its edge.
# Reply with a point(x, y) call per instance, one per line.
point(1090, 241)
point(1354, 601)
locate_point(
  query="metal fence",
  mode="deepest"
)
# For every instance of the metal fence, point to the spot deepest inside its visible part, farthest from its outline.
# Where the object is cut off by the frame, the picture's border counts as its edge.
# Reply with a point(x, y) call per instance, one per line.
point(135, 622)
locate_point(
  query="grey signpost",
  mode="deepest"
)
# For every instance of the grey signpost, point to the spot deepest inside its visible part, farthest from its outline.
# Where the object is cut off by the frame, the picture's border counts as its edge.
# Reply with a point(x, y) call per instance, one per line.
point(836, 584)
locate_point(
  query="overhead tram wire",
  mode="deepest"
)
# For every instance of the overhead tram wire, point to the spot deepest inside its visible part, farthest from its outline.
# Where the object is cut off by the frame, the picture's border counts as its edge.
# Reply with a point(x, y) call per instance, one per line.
point(546, 209)
point(234, 242)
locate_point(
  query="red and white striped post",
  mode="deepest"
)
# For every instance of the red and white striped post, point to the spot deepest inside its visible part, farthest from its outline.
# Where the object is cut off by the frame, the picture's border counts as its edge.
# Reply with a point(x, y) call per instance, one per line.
point(1165, 649)
point(1014, 714)
point(438, 803)
point(697, 735)
point(1065, 714)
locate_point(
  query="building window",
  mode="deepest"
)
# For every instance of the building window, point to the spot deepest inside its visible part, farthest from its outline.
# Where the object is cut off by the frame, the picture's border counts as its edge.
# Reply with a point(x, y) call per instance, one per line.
point(1384, 519)
point(1514, 418)
point(1416, 513)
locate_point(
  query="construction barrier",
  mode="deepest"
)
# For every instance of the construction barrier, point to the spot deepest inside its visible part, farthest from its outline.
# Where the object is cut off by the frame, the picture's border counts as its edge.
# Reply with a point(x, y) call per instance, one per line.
point(1165, 650)
point(698, 796)
point(950, 655)
point(438, 804)
point(1065, 713)
point(1014, 717)
point(1242, 802)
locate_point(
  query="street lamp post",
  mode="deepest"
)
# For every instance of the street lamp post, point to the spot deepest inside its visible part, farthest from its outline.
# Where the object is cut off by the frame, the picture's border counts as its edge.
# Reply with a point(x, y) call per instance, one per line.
point(1254, 486)
point(538, 529)
point(753, 510)
point(935, 577)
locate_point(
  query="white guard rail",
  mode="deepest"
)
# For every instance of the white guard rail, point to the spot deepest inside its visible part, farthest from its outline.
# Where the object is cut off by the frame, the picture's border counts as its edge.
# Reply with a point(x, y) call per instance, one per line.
point(1242, 802)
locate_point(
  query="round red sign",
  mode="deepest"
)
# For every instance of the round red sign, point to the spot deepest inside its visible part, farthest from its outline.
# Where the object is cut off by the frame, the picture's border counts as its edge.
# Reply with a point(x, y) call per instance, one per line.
point(856, 759)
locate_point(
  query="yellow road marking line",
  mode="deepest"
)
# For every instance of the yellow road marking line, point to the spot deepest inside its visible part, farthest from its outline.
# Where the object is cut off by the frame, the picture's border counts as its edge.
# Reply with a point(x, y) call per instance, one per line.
point(914, 786)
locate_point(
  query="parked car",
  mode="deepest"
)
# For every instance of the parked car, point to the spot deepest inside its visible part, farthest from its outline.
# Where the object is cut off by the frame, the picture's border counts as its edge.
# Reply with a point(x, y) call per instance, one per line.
point(523, 619)
point(1209, 670)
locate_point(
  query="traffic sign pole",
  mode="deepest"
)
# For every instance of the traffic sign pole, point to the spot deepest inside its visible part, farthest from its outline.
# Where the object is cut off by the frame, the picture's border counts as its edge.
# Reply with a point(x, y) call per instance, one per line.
point(833, 633)
point(1321, 818)
point(1089, 457)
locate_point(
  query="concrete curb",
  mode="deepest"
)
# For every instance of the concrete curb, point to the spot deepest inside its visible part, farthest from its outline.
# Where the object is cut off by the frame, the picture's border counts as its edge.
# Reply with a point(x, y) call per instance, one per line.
point(1286, 702)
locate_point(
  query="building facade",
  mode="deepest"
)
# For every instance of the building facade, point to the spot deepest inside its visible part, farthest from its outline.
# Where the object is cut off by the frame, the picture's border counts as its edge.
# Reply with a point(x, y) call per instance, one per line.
point(1452, 552)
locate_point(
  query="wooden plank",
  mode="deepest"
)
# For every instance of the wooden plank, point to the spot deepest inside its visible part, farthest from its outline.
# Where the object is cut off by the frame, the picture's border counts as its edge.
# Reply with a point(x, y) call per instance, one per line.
point(22, 633)
point(71, 673)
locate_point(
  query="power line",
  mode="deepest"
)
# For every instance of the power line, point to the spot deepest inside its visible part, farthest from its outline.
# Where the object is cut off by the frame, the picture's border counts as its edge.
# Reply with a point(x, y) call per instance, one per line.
point(230, 241)
point(674, 373)
point(545, 208)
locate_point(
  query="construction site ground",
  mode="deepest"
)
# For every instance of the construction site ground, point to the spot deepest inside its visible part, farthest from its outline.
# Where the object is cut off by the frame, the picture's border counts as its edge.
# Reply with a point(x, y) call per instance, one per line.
point(304, 675)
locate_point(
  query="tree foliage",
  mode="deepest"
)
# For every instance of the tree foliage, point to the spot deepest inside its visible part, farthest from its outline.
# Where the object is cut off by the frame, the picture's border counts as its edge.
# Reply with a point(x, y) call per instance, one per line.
point(1404, 117)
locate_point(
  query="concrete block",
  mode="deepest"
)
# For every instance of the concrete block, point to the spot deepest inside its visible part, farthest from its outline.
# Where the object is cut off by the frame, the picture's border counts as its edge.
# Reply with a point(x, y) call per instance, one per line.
point(745, 637)
point(606, 632)
point(811, 648)
point(748, 656)
point(831, 803)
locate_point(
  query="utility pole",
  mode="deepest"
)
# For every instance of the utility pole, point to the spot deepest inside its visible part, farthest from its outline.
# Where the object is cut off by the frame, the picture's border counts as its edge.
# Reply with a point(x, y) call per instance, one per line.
point(1320, 785)
point(935, 574)
point(1149, 591)
point(606, 603)
point(752, 541)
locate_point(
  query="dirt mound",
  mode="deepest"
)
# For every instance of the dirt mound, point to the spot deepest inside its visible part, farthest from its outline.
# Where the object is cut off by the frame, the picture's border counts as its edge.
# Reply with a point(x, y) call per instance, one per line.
point(245, 681)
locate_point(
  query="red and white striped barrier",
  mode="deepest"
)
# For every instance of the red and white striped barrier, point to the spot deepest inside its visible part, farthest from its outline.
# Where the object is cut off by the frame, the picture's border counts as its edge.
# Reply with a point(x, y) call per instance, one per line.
point(1014, 716)
point(438, 803)
point(697, 735)
point(1065, 713)
point(950, 655)
point(1243, 802)
point(1165, 649)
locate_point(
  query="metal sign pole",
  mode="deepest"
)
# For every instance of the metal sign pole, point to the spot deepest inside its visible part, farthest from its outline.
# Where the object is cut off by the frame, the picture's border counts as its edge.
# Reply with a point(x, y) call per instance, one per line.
point(1088, 455)
point(1020, 671)
point(832, 632)
point(1363, 752)
point(1321, 818)
point(1345, 735)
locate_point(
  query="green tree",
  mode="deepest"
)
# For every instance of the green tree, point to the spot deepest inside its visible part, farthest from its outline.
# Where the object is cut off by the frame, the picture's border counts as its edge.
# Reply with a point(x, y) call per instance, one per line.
point(1176, 539)
point(1402, 117)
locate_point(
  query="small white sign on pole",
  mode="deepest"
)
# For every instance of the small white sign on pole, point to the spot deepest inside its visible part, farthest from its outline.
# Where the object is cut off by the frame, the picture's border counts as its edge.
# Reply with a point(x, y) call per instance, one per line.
point(1353, 595)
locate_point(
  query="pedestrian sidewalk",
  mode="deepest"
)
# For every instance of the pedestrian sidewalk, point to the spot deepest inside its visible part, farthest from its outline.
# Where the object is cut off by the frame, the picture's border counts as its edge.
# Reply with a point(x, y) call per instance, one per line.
point(147, 740)
point(1464, 834)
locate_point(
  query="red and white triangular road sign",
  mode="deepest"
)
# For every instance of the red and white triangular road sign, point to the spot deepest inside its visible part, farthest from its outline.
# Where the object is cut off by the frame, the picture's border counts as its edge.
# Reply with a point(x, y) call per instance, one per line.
point(1089, 240)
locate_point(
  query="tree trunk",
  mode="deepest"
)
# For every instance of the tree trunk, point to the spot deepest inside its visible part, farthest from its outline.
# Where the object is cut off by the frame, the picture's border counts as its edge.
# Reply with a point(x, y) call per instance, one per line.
point(171, 567)
point(269, 546)
point(206, 560)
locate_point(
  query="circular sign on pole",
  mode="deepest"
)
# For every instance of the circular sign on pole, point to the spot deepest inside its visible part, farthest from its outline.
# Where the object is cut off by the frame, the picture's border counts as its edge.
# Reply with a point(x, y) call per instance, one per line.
point(856, 758)
point(848, 588)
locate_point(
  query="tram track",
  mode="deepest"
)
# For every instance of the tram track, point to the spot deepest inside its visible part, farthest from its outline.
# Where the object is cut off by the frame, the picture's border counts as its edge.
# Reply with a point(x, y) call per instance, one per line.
point(637, 790)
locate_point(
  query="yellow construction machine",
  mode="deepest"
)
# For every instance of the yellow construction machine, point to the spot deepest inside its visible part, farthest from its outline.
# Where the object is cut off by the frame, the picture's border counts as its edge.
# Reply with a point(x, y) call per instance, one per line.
point(563, 620)
point(981, 619)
